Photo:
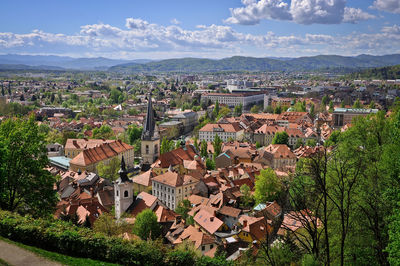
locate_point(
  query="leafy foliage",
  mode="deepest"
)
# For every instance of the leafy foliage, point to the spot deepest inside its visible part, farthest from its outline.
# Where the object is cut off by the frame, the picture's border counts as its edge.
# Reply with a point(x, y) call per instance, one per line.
point(146, 225)
point(281, 138)
point(267, 186)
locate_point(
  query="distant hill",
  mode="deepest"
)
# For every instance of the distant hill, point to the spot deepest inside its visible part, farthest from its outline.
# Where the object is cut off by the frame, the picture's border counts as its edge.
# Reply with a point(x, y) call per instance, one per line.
point(241, 63)
point(26, 67)
point(384, 73)
point(65, 62)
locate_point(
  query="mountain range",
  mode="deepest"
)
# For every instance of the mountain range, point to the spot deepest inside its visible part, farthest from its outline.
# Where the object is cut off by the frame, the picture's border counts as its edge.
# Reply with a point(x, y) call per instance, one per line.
point(187, 65)
point(53, 62)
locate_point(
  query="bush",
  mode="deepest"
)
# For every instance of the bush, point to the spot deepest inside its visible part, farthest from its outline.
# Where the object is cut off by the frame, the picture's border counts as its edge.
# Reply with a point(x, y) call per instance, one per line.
point(66, 238)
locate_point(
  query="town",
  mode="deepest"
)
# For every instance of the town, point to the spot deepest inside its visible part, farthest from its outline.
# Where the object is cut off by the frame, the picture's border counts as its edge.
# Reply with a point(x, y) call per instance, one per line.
point(209, 161)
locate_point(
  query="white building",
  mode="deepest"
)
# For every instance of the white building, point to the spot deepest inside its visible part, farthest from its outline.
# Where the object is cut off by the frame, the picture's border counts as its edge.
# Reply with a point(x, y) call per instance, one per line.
point(247, 100)
point(171, 188)
point(224, 131)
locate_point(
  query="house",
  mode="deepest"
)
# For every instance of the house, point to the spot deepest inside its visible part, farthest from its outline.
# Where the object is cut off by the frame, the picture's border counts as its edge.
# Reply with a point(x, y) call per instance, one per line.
point(254, 228)
point(202, 241)
point(209, 222)
point(271, 210)
point(142, 182)
point(75, 146)
point(172, 187)
point(224, 131)
point(229, 215)
point(88, 159)
point(276, 156)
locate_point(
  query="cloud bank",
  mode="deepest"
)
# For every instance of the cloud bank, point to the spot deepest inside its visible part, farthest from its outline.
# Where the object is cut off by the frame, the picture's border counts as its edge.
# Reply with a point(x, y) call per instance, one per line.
point(299, 11)
point(141, 38)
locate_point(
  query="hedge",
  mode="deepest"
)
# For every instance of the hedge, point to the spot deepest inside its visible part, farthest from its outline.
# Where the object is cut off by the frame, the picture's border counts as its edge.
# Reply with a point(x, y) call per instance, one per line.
point(66, 238)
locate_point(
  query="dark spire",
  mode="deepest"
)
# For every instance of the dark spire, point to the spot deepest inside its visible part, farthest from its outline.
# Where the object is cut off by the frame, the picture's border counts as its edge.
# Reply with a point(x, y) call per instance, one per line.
point(150, 123)
point(123, 174)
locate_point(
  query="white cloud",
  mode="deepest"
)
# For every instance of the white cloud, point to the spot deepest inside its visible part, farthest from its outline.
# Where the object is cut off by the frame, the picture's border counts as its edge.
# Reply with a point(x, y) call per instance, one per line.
point(254, 11)
point(299, 11)
point(145, 39)
point(355, 15)
point(392, 6)
point(395, 29)
point(175, 21)
point(136, 23)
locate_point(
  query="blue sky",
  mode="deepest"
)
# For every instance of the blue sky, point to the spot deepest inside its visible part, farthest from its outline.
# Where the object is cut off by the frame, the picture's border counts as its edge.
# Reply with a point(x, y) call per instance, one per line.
point(160, 29)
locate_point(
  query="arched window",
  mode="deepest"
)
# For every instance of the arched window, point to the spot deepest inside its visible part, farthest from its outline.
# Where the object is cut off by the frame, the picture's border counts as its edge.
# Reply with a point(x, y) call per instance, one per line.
point(147, 149)
point(117, 193)
point(126, 193)
point(156, 149)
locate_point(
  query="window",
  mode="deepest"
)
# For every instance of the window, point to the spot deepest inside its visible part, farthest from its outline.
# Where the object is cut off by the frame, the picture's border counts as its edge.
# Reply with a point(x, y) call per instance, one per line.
point(211, 246)
point(117, 193)
point(179, 191)
point(147, 149)
point(156, 148)
point(126, 193)
point(203, 248)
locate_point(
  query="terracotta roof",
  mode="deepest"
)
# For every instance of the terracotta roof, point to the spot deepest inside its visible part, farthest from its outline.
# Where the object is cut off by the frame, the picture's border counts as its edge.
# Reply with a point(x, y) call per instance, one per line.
point(269, 130)
point(164, 215)
point(293, 117)
point(209, 222)
point(143, 179)
point(229, 211)
point(195, 235)
point(279, 151)
point(197, 200)
point(233, 127)
point(143, 201)
point(174, 179)
point(256, 227)
point(83, 144)
point(175, 157)
point(100, 153)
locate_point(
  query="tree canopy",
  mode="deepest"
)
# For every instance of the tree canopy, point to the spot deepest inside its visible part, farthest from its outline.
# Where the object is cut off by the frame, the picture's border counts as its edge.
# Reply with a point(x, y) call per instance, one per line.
point(146, 225)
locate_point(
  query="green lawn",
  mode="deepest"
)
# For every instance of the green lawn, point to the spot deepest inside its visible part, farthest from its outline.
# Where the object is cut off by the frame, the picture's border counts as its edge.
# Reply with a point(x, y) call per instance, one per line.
point(63, 259)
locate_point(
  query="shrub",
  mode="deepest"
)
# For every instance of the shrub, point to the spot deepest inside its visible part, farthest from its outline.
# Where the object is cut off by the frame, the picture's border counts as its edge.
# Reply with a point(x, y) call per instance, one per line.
point(66, 238)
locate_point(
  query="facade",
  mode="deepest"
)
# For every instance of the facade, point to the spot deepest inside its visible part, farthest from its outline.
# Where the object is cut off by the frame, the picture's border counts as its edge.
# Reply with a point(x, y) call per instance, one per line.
point(224, 131)
point(343, 116)
point(247, 100)
point(150, 148)
point(171, 188)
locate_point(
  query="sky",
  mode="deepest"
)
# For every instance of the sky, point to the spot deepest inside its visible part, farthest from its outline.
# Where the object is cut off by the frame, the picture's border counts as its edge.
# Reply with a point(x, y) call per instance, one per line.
point(160, 29)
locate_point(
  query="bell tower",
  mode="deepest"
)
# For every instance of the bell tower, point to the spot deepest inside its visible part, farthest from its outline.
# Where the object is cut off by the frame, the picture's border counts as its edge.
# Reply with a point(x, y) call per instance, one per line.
point(123, 191)
point(150, 148)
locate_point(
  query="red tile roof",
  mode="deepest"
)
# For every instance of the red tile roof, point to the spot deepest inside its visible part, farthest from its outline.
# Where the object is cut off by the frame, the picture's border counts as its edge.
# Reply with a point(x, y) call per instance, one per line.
point(209, 222)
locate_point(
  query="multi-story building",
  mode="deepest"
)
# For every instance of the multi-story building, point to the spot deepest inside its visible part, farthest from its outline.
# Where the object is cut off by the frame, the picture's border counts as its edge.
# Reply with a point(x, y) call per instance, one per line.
point(75, 146)
point(224, 131)
point(171, 188)
point(88, 159)
point(343, 116)
point(188, 119)
point(276, 156)
point(247, 100)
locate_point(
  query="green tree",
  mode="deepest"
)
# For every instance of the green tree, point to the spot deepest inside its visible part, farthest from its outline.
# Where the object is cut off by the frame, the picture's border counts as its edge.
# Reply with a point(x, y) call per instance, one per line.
point(255, 109)
point(281, 138)
point(103, 132)
point(238, 110)
point(116, 96)
point(210, 164)
point(110, 170)
point(312, 111)
point(299, 143)
point(166, 145)
point(183, 208)
point(258, 145)
point(267, 186)
point(245, 190)
point(203, 149)
point(372, 105)
point(324, 101)
point(216, 109)
point(217, 144)
point(357, 104)
point(331, 107)
point(134, 133)
point(108, 225)
point(26, 186)
point(269, 109)
point(278, 110)
point(311, 142)
point(146, 225)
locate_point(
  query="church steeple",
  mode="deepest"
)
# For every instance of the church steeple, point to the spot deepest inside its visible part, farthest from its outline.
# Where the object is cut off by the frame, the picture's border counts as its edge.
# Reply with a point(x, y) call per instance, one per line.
point(150, 138)
point(123, 174)
point(149, 132)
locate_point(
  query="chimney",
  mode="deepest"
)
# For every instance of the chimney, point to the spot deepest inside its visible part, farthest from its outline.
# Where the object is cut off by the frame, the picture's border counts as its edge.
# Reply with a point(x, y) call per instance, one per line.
point(91, 192)
point(212, 219)
point(244, 223)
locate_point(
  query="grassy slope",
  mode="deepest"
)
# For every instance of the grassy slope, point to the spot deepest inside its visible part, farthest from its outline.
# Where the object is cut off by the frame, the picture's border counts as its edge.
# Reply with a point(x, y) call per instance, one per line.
point(63, 259)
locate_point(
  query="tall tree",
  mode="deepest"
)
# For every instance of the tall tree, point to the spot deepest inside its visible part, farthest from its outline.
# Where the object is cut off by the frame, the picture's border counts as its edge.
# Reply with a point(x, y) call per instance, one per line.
point(217, 144)
point(109, 170)
point(281, 138)
point(238, 110)
point(267, 186)
point(146, 225)
point(26, 185)
point(203, 149)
